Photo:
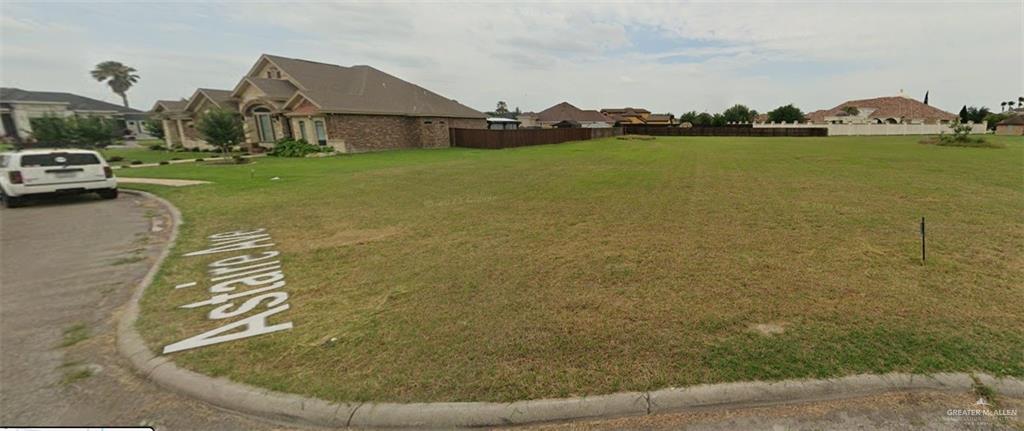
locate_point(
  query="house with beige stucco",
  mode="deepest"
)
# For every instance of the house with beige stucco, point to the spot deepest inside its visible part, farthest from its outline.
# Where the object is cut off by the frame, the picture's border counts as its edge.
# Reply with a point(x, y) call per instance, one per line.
point(352, 109)
point(19, 108)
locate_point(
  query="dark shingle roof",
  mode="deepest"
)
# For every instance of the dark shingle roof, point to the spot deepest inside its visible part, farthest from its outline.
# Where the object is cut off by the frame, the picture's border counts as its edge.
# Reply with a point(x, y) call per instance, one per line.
point(365, 90)
point(274, 88)
point(170, 105)
point(218, 96)
point(74, 101)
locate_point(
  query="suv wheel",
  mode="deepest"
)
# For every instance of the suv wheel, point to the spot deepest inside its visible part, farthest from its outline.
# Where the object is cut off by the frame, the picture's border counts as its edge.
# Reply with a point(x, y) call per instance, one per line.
point(108, 193)
point(10, 201)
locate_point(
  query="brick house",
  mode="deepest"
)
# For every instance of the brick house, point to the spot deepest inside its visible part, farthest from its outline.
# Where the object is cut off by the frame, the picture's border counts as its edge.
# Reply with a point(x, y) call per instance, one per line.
point(353, 109)
point(1011, 126)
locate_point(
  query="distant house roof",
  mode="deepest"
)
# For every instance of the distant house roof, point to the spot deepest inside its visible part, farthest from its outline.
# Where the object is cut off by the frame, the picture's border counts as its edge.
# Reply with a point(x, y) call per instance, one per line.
point(886, 107)
point(661, 118)
point(364, 90)
point(74, 101)
point(1013, 120)
point(625, 111)
point(565, 111)
point(502, 120)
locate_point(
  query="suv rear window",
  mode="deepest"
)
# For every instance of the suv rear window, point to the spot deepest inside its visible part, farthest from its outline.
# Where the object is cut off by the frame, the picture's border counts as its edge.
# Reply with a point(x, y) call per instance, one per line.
point(59, 159)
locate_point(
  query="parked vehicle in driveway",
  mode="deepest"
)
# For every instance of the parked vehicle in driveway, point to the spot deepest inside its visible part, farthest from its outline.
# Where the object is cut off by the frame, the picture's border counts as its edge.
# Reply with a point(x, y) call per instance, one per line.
point(54, 171)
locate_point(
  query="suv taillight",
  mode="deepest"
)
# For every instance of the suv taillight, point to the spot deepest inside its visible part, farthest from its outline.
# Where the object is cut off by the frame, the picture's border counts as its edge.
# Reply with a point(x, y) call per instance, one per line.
point(108, 172)
point(15, 177)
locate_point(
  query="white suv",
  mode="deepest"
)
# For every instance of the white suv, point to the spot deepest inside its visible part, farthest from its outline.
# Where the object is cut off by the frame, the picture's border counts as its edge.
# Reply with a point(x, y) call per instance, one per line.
point(45, 171)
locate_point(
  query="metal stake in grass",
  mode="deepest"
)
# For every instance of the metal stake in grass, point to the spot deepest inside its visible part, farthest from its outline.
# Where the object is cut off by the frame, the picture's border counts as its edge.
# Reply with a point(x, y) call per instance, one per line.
point(922, 242)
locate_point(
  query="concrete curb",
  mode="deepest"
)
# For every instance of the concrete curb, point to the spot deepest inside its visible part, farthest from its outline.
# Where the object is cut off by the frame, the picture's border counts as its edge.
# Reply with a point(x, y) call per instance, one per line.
point(292, 408)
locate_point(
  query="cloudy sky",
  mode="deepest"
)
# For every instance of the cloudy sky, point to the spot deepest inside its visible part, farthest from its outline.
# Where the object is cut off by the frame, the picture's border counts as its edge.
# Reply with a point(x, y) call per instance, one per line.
point(670, 57)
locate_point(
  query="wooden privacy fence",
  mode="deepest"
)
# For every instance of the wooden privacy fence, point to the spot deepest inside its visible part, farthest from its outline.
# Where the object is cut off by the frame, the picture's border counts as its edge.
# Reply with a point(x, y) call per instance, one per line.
point(737, 130)
point(495, 139)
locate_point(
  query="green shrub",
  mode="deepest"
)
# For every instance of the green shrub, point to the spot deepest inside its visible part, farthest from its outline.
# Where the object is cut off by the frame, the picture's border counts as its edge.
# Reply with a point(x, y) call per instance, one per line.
point(199, 159)
point(115, 159)
point(961, 137)
point(164, 162)
point(157, 147)
point(294, 148)
point(136, 162)
point(194, 149)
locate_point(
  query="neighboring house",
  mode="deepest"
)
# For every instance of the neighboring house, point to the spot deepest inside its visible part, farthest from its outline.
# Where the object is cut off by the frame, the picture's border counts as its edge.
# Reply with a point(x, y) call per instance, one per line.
point(179, 117)
point(352, 109)
point(882, 110)
point(173, 118)
point(667, 120)
point(500, 123)
point(1011, 126)
point(896, 115)
point(18, 107)
point(627, 116)
point(528, 120)
point(568, 115)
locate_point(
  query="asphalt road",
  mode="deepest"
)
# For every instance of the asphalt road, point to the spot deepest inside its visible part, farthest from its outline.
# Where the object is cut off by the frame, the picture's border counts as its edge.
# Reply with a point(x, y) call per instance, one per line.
point(67, 265)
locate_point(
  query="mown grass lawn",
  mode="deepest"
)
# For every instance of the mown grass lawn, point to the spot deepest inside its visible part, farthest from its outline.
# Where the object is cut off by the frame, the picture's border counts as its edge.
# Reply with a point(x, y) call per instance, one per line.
point(612, 265)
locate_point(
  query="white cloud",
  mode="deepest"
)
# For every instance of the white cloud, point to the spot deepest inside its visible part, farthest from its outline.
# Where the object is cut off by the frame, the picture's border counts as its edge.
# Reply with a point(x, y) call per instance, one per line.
point(535, 55)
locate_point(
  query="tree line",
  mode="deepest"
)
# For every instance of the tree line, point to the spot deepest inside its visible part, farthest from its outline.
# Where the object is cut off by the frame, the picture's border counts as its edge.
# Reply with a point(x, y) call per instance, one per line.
point(742, 114)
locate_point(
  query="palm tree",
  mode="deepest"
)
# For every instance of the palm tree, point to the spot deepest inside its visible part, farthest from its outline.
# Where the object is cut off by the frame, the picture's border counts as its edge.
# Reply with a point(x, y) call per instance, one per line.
point(1010, 104)
point(118, 76)
point(1003, 107)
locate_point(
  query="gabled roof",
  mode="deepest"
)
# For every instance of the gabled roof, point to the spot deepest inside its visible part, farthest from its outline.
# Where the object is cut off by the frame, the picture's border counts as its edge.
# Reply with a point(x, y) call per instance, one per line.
point(277, 89)
point(74, 101)
point(220, 98)
point(886, 107)
point(566, 111)
point(169, 106)
point(363, 90)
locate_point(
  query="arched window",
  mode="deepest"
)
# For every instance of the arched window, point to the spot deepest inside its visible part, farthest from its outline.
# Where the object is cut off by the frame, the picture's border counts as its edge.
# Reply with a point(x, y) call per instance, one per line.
point(264, 127)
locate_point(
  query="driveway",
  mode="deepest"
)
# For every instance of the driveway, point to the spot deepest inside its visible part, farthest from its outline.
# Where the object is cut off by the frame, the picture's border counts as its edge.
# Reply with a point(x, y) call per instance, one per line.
point(67, 266)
